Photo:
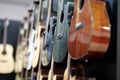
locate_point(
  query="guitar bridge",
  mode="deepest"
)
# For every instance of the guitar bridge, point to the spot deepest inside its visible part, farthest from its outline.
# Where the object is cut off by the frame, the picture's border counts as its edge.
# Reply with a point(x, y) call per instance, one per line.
point(60, 36)
point(79, 26)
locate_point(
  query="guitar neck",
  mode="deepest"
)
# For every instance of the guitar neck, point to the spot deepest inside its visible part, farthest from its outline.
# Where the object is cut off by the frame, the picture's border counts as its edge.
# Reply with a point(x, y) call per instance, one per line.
point(5, 25)
point(48, 18)
point(36, 14)
point(59, 14)
point(26, 27)
point(5, 39)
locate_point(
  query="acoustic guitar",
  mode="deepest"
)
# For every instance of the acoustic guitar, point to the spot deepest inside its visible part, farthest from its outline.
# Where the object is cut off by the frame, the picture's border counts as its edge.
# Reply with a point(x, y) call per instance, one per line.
point(61, 33)
point(50, 35)
point(32, 56)
point(6, 52)
point(46, 52)
point(26, 36)
point(32, 34)
point(89, 32)
point(27, 53)
point(20, 47)
point(37, 39)
point(20, 63)
point(36, 50)
point(43, 17)
point(19, 55)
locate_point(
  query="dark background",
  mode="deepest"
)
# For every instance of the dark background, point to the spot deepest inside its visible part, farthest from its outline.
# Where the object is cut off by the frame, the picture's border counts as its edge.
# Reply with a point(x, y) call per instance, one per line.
point(118, 42)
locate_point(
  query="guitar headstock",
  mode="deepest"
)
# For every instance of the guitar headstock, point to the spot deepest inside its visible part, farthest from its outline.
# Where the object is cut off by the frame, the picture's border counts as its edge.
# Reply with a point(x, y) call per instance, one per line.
point(5, 22)
point(36, 2)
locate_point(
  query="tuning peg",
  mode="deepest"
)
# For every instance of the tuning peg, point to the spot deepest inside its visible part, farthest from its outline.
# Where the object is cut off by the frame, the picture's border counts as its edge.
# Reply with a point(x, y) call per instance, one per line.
point(53, 21)
point(30, 10)
point(25, 18)
point(70, 13)
point(54, 18)
point(36, 2)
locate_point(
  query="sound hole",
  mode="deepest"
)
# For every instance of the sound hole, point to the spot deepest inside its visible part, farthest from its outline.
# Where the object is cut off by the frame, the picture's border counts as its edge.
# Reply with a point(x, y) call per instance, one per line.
point(42, 31)
point(81, 4)
point(62, 17)
point(4, 52)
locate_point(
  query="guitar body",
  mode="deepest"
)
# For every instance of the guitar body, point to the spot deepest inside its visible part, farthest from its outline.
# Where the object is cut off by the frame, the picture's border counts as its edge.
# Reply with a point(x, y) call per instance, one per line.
point(47, 34)
point(6, 61)
point(92, 39)
point(46, 54)
point(36, 53)
point(61, 34)
point(101, 32)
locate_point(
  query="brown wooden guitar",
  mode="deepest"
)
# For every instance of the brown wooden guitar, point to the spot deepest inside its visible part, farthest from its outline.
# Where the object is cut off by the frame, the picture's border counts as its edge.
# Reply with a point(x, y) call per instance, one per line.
point(89, 32)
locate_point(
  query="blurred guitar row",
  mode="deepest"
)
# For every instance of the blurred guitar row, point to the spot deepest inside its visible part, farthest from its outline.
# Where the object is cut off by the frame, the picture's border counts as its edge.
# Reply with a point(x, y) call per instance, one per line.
point(75, 29)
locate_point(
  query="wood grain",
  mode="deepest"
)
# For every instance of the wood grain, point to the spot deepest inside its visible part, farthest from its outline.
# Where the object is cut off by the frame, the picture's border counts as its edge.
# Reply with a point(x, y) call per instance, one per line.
point(95, 34)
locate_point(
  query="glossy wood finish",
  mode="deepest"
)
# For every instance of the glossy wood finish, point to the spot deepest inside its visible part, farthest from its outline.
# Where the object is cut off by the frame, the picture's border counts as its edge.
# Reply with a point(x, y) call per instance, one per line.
point(93, 39)
point(101, 32)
